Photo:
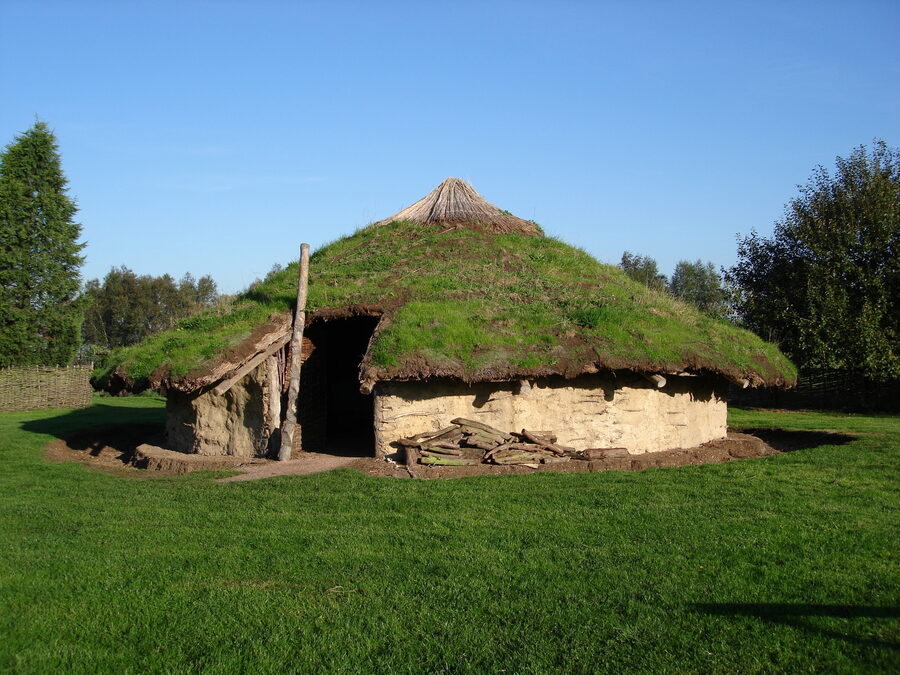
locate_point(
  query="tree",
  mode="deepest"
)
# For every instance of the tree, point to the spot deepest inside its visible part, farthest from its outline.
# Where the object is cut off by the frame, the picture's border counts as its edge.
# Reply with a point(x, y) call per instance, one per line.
point(826, 284)
point(643, 269)
point(40, 314)
point(126, 308)
point(699, 284)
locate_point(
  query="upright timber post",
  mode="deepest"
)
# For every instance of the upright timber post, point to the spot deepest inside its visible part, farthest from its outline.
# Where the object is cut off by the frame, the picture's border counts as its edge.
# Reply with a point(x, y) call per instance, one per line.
point(290, 428)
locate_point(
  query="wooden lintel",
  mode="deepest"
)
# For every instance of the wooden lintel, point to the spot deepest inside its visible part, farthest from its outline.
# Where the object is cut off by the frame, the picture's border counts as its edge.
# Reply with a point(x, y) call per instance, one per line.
point(241, 372)
point(741, 382)
point(657, 380)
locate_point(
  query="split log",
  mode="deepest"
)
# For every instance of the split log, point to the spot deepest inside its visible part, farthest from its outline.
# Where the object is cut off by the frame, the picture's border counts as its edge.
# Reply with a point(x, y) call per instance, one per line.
point(474, 439)
point(448, 461)
point(517, 457)
point(497, 448)
point(529, 447)
point(443, 444)
point(440, 448)
point(447, 452)
point(480, 445)
point(482, 438)
point(412, 456)
point(452, 434)
point(547, 436)
point(486, 428)
point(534, 438)
point(431, 434)
point(605, 453)
point(440, 452)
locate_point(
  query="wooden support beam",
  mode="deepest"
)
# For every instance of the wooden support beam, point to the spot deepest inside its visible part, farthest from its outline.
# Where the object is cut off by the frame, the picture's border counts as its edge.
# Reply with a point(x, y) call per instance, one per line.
point(273, 384)
point(658, 380)
point(241, 372)
point(290, 428)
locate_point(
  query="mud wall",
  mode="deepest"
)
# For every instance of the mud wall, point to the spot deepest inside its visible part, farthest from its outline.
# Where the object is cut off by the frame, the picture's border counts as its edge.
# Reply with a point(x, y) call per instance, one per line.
point(236, 423)
point(591, 411)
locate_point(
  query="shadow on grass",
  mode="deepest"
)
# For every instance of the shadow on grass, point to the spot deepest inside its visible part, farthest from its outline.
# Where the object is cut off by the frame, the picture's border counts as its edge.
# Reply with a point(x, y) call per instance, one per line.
point(100, 424)
point(798, 615)
point(785, 440)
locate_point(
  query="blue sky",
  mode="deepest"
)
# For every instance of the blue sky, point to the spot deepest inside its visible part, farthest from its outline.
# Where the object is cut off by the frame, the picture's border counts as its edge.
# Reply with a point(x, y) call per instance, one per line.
point(214, 137)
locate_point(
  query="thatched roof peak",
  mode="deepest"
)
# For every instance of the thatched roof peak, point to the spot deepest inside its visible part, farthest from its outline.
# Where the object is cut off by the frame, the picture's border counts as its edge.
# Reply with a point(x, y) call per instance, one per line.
point(455, 202)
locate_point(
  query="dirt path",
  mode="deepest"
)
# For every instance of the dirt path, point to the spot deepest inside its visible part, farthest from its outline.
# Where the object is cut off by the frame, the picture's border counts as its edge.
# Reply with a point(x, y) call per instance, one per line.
point(313, 463)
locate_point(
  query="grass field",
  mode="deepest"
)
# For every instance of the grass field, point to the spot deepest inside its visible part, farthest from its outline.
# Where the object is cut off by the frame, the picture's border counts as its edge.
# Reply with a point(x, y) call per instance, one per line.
point(787, 563)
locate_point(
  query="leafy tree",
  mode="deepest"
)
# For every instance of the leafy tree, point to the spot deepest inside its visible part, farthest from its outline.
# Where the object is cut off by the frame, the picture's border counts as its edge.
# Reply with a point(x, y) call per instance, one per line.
point(40, 314)
point(126, 308)
point(277, 269)
point(826, 284)
point(699, 284)
point(643, 269)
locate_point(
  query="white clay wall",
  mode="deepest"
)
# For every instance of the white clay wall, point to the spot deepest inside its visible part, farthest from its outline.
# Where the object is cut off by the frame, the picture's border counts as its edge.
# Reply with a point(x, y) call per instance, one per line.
point(592, 411)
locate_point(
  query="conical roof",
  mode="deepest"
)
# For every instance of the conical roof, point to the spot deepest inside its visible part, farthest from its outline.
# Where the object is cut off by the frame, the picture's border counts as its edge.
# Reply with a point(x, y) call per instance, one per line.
point(455, 202)
point(463, 291)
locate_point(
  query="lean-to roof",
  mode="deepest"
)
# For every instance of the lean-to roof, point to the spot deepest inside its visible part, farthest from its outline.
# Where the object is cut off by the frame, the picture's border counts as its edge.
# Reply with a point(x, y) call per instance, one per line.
point(475, 300)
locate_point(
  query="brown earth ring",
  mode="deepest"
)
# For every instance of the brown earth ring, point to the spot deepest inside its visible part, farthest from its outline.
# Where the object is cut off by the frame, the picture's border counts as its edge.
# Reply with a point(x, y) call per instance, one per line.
point(117, 451)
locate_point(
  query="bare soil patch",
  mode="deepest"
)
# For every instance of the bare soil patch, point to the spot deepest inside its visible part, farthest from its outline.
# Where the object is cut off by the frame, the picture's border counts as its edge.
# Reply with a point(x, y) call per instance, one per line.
point(110, 449)
point(125, 451)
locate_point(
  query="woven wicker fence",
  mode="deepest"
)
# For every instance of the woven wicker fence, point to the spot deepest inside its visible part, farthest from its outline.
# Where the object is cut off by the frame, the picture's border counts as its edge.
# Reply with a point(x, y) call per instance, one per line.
point(34, 387)
point(828, 390)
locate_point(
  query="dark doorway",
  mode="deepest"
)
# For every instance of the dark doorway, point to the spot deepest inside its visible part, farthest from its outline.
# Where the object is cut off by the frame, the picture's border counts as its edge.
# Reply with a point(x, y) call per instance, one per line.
point(334, 415)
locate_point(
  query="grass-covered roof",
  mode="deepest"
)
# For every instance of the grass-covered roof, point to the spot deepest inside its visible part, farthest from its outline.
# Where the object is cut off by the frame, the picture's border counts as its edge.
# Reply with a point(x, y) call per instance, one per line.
point(470, 300)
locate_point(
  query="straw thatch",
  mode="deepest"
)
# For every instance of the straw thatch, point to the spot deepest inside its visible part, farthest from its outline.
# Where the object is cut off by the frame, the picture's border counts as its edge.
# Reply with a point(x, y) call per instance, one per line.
point(455, 202)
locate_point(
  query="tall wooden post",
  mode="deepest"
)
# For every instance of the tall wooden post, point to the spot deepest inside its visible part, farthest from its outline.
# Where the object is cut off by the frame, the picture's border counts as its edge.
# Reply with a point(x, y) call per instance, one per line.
point(290, 428)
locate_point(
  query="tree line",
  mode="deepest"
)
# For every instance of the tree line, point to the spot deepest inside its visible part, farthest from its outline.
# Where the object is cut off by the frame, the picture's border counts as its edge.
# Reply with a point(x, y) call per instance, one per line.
point(125, 307)
point(824, 286)
point(698, 283)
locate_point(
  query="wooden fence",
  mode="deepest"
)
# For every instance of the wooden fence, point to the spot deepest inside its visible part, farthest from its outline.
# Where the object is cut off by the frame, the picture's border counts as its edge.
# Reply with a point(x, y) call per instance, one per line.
point(34, 387)
point(826, 389)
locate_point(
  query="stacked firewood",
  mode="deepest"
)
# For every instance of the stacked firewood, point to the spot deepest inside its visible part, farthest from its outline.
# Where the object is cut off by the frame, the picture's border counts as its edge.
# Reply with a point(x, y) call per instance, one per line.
point(470, 442)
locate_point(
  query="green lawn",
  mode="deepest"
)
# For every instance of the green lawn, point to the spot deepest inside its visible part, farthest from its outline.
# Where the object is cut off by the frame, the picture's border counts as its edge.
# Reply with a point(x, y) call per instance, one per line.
point(786, 563)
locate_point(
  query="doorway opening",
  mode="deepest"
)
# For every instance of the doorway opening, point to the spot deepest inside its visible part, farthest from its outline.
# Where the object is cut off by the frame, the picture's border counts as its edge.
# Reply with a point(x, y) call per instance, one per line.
point(334, 416)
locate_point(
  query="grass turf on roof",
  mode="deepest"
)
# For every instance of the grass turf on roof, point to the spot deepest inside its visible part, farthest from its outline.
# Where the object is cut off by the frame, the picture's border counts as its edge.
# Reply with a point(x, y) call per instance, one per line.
point(477, 306)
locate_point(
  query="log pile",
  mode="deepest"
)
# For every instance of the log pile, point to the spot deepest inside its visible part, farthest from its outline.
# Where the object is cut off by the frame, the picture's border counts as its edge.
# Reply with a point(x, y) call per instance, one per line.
point(469, 442)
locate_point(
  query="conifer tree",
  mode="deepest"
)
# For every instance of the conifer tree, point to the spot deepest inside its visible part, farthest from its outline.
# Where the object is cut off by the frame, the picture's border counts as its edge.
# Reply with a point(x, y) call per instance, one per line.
point(40, 313)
